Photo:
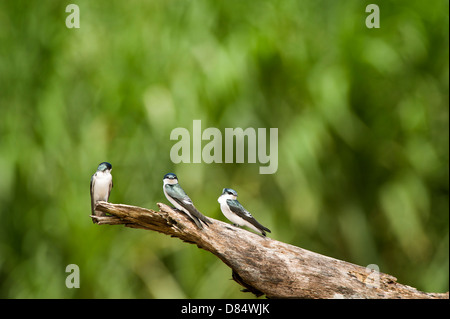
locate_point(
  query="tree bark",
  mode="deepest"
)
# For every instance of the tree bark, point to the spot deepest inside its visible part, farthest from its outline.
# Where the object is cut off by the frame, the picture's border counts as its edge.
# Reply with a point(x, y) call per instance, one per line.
point(262, 265)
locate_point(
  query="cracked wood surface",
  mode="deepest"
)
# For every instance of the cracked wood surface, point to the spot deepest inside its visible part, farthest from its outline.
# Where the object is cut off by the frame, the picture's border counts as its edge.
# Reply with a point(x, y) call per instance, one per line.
point(262, 265)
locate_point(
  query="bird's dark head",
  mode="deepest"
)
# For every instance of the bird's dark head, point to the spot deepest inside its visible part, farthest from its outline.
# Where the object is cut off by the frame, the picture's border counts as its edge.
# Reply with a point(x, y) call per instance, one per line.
point(229, 191)
point(105, 166)
point(170, 178)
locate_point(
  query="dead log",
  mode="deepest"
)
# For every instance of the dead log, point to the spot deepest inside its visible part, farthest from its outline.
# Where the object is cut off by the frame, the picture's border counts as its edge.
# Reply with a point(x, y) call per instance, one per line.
point(262, 265)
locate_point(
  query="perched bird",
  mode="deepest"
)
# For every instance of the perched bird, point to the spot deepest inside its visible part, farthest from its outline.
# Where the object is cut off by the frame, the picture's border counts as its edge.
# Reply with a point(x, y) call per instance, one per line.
point(177, 196)
point(236, 213)
point(101, 184)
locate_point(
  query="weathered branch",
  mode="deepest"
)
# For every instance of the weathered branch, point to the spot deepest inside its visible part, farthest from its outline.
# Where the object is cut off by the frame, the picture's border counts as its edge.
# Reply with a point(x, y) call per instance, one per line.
point(263, 265)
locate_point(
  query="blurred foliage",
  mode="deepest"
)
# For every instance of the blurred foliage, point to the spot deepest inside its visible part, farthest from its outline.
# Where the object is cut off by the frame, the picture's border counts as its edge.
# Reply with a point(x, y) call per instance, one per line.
point(363, 136)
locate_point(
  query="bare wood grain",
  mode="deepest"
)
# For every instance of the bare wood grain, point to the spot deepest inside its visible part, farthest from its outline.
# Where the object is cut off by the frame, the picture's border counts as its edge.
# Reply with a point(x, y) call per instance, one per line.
point(263, 265)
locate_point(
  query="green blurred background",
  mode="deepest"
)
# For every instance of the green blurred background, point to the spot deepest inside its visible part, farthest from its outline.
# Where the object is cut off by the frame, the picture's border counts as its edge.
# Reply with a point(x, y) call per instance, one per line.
point(362, 118)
